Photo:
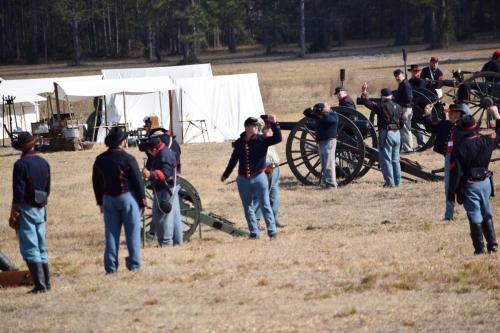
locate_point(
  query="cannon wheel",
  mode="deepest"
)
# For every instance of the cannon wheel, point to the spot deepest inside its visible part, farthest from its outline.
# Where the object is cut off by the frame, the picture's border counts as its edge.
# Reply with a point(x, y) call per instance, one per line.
point(302, 152)
point(190, 203)
point(370, 136)
point(485, 92)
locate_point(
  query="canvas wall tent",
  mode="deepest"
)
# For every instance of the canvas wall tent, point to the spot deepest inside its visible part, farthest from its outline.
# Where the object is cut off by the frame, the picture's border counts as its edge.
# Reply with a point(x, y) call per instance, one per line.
point(127, 89)
point(153, 104)
point(223, 102)
point(24, 112)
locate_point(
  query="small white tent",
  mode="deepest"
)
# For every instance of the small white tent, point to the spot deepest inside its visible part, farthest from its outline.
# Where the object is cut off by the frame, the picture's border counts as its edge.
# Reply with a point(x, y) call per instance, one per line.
point(222, 102)
point(24, 111)
point(156, 104)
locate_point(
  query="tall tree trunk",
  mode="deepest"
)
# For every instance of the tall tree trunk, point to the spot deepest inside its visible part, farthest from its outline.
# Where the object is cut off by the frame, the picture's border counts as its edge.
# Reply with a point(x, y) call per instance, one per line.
point(232, 39)
point(110, 33)
point(150, 42)
point(340, 32)
point(76, 42)
point(34, 31)
point(157, 38)
point(117, 31)
point(106, 45)
point(494, 8)
point(268, 41)
point(45, 46)
point(402, 24)
point(442, 28)
point(302, 32)
point(430, 26)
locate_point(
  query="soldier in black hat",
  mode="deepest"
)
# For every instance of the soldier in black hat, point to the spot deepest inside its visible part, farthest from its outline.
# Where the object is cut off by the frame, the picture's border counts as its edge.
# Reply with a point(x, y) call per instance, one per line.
point(415, 80)
point(471, 182)
point(250, 152)
point(119, 192)
point(404, 97)
point(31, 189)
point(389, 117)
point(344, 98)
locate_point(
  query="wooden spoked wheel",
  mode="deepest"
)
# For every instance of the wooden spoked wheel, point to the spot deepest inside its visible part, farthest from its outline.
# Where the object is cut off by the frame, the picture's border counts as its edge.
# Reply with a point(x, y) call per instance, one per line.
point(190, 204)
point(303, 158)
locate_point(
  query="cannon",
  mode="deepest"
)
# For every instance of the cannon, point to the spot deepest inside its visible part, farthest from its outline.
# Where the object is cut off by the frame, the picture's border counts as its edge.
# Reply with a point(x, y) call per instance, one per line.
point(355, 155)
point(191, 212)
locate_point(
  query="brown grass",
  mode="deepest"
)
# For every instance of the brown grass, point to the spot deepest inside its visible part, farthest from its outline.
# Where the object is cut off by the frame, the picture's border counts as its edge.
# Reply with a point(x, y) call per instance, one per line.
point(337, 266)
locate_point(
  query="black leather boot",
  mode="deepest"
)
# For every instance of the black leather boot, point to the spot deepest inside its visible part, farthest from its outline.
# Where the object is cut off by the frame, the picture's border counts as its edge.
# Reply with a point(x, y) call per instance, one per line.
point(38, 277)
point(5, 264)
point(476, 234)
point(46, 274)
point(489, 235)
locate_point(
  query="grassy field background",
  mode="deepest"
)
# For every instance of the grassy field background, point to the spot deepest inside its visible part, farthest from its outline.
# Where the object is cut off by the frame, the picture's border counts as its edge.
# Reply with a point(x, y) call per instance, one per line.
point(362, 259)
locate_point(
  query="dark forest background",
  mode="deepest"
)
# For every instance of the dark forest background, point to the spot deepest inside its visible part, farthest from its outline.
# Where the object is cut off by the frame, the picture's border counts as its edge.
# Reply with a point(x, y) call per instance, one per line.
point(37, 31)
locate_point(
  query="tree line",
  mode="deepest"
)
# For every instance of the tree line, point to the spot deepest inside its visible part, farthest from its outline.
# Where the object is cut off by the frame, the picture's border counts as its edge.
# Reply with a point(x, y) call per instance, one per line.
point(35, 31)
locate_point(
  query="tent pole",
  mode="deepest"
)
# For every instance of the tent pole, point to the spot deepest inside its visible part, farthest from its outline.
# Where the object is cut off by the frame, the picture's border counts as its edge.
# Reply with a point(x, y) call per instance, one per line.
point(182, 115)
point(124, 110)
point(161, 109)
point(24, 119)
point(105, 115)
point(95, 119)
point(170, 104)
point(58, 107)
point(15, 118)
point(3, 122)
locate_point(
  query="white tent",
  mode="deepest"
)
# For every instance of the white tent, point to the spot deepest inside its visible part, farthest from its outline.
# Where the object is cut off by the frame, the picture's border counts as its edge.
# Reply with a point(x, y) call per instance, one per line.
point(156, 104)
point(24, 111)
point(221, 102)
point(123, 88)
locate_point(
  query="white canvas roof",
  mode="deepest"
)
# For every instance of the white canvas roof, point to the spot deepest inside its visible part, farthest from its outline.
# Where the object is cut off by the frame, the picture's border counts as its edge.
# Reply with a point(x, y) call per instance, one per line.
point(76, 90)
point(39, 86)
point(176, 72)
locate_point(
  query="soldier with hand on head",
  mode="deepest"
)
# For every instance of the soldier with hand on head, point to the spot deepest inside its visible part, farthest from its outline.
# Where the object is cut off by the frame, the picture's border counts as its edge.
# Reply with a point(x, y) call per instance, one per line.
point(471, 181)
point(444, 144)
point(327, 123)
point(31, 189)
point(390, 121)
point(119, 192)
point(250, 152)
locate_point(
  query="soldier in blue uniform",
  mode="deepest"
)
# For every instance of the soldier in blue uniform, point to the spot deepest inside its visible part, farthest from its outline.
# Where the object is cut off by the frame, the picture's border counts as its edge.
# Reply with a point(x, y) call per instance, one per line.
point(471, 182)
point(31, 189)
point(119, 192)
point(445, 137)
point(327, 123)
point(250, 151)
point(389, 117)
point(162, 172)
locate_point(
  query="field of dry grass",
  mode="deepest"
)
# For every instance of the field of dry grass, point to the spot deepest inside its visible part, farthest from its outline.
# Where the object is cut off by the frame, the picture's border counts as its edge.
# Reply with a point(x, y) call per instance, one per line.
point(362, 259)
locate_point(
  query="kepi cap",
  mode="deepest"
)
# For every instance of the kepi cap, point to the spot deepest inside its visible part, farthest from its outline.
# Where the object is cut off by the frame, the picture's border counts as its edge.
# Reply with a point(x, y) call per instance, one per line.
point(397, 72)
point(251, 121)
point(339, 89)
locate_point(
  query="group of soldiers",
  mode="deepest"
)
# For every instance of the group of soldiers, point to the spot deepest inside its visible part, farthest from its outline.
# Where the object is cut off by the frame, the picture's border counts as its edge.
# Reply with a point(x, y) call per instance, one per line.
point(118, 181)
point(119, 188)
point(467, 154)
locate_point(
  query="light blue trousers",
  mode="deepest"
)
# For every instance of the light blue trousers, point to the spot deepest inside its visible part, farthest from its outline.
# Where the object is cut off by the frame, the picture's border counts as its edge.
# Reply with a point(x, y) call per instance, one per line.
point(168, 227)
point(389, 144)
point(274, 196)
point(256, 187)
point(326, 150)
point(119, 211)
point(31, 234)
point(477, 201)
